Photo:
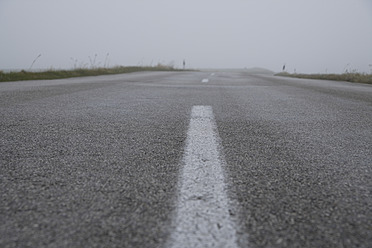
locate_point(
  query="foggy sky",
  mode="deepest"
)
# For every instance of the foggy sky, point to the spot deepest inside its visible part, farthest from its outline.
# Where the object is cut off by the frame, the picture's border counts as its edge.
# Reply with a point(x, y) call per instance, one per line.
point(314, 36)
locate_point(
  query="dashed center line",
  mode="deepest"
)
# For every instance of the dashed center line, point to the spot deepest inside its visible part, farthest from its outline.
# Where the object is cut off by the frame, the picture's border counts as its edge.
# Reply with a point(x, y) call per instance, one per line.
point(202, 218)
point(205, 80)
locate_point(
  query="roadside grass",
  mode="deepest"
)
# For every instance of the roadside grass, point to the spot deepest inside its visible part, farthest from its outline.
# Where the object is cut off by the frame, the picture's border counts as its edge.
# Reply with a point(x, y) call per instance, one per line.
point(81, 72)
point(349, 77)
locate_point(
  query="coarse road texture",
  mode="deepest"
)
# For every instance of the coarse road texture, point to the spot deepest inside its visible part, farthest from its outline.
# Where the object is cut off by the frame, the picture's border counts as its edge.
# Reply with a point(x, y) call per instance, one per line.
point(96, 161)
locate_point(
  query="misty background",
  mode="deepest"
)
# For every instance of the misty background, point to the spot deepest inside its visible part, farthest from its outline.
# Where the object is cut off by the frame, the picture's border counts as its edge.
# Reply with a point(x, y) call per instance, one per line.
point(317, 36)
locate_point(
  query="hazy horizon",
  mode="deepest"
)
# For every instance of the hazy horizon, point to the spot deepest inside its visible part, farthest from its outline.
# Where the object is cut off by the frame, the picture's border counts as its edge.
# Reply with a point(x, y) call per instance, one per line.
point(307, 36)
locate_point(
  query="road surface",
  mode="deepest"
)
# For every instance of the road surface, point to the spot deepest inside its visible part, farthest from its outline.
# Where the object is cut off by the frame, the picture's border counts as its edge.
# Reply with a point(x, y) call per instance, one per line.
point(169, 159)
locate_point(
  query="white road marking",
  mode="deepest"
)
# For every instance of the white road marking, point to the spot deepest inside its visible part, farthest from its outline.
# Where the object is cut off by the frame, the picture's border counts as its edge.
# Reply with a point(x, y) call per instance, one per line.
point(202, 218)
point(205, 80)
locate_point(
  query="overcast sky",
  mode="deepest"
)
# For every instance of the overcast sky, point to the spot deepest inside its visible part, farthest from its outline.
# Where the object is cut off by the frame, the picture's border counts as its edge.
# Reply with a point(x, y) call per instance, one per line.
point(309, 36)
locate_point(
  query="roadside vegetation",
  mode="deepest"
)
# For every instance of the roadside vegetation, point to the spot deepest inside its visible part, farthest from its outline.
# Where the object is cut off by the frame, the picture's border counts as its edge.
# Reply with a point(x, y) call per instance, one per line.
point(349, 77)
point(78, 72)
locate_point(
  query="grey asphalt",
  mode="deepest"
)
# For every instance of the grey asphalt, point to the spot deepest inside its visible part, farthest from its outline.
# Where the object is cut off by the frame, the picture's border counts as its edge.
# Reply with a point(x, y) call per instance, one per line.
point(95, 161)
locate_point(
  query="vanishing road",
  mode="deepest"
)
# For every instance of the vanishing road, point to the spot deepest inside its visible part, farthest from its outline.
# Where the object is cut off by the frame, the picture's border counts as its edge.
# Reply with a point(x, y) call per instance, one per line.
point(185, 159)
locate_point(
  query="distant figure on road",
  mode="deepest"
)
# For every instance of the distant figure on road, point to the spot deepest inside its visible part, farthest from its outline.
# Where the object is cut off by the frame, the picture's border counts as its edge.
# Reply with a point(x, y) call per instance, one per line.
point(284, 67)
point(184, 64)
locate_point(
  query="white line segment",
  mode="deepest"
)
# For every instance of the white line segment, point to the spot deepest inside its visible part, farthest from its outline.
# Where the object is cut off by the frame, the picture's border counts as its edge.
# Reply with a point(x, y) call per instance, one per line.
point(202, 218)
point(205, 80)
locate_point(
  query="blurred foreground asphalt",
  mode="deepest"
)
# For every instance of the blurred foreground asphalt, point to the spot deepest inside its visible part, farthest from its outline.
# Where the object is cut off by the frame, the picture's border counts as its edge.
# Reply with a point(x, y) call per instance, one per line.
point(95, 161)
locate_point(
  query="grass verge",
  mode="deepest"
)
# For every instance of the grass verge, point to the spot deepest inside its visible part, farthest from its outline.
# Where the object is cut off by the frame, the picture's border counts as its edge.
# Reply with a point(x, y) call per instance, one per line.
point(349, 77)
point(59, 74)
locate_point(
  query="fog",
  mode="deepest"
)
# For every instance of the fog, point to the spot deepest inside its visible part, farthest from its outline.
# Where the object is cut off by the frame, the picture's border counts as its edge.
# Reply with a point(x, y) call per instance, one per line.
point(314, 36)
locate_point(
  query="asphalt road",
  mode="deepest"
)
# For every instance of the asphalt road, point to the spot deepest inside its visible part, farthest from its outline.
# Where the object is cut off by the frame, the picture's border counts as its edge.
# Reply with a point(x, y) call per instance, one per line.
point(96, 161)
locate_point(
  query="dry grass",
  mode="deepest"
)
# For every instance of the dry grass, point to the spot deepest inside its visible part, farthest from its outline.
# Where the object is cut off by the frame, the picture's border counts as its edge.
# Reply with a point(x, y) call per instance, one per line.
point(59, 74)
point(349, 77)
